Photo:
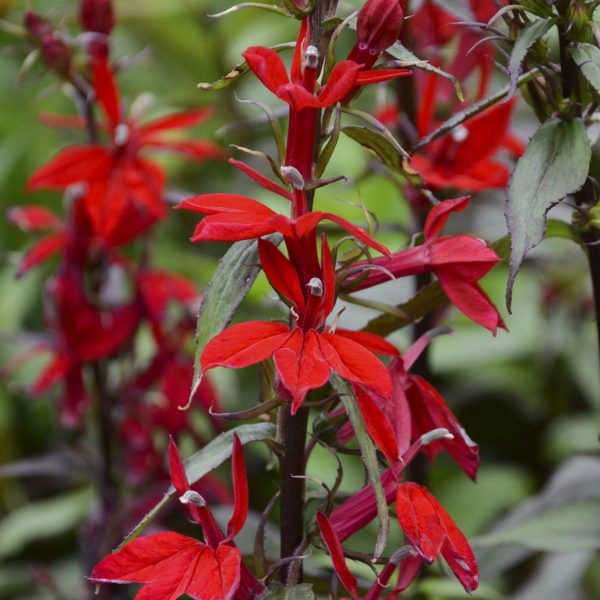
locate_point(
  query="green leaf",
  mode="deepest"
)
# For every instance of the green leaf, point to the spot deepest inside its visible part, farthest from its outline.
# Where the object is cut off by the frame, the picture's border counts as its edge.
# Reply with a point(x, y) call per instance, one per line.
point(369, 456)
point(399, 52)
point(277, 591)
point(587, 57)
point(238, 71)
point(565, 529)
point(384, 149)
point(529, 36)
point(43, 519)
point(541, 8)
point(233, 278)
point(555, 164)
point(215, 453)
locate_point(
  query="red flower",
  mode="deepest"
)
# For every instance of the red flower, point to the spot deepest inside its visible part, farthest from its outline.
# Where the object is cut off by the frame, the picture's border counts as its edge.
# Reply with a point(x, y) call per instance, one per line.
point(458, 261)
point(305, 353)
point(118, 177)
point(433, 533)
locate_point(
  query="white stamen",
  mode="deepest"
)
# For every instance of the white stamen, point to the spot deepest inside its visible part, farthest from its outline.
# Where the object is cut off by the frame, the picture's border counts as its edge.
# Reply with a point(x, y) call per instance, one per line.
point(434, 435)
point(293, 177)
point(460, 133)
point(121, 134)
point(315, 285)
point(311, 57)
point(191, 497)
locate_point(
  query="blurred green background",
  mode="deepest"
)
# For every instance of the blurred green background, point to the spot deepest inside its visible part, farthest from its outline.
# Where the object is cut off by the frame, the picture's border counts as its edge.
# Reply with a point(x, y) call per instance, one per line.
point(530, 397)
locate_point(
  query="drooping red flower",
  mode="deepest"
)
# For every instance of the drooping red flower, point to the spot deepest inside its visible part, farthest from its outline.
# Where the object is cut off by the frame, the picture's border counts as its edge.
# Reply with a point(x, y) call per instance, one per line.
point(434, 534)
point(458, 261)
point(306, 352)
point(116, 177)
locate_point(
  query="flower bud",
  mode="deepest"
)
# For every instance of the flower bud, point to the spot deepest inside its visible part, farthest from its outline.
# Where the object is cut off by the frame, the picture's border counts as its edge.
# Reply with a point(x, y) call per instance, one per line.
point(379, 26)
point(37, 27)
point(97, 15)
point(56, 54)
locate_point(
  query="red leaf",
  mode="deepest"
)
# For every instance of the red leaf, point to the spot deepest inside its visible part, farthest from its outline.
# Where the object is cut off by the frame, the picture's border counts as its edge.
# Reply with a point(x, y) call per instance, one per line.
point(341, 81)
point(267, 66)
point(280, 273)
point(244, 344)
point(261, 179)
point(33, 218)
point(355, 363)
point(379, 75)
point(72, 165)
point(336, 551)
point(240, 489)
point(171, 565)
point(301, 365)
point(106, 90)
point(178, 477)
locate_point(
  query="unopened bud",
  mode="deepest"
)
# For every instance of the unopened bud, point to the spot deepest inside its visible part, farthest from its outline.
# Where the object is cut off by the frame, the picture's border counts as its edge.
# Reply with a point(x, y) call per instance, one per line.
point(379, 26)
point(315, 286)
point(56, 54)
point(37, 27)
point(97, 15)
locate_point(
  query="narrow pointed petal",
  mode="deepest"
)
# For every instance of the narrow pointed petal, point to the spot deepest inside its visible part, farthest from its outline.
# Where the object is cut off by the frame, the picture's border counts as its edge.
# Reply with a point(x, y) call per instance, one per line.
point(261, 179)
point(334, 545)
point(301, 365)
point(40, 251)
point(244, 344)
point(309, 221)
point(280, 273)
point(328, 276)
point(467, 256)
point(470, 299)
point(297, 97)
point(459, 555)
point(378, 425)
point(33, 218)
point(380, 75)
point(178, 477)
point(341, 81)
point(106, 90)
point(372, 342)
point(212, 204)
point(267, 65)
point(178, 120)
point(296, 70)
point(56, 369)
point(409, 569)
point(197, 150)
point(356, 364)
point(240, 226)
point(439, 214)
point(240, 489)
point(72, 165)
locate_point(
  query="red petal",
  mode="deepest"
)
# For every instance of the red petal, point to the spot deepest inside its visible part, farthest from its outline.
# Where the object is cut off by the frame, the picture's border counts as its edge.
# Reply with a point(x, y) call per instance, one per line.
point(178, 477)
point(301, 365)
point(341, 81)
point(469, 298)
point(244, 344)
point(197, 150)
point(261, 179)
point(418, 516)
point(33, 218)
point(309, 221)
point(240, 489)
point(217, 576)
point(241, 226)
point(378, 425)
point(379, 75)
point(298, 97)
point(328, 275)
point(212, 204)
point(334, 546)
point(176, 121)
point(356, 364)
point(267, 66)
point(468, 257)
point(438, 215)
point(41, 251)
point(106, 90)
point(67, 121)
point(372, 342)
point(72, 165)
point(409, 569)
point(280, 273)
point(296, 70)
point(55, 370)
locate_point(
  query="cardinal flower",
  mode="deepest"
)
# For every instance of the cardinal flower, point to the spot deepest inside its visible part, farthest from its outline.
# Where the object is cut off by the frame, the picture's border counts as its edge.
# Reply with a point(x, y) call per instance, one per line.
point(433, 533)
point(458, 261)
point(171, 565)
point(305, 352)
point(117, 176)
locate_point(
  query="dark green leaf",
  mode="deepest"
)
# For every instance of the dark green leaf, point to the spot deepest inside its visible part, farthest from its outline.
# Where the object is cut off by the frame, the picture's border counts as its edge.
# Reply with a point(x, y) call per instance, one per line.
point(215, 453)
point(529, 36)
point(541, 8)
point(587, 57)
point(369, 456)
point(384, 149)
point(233, 278)
point(555, 164)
